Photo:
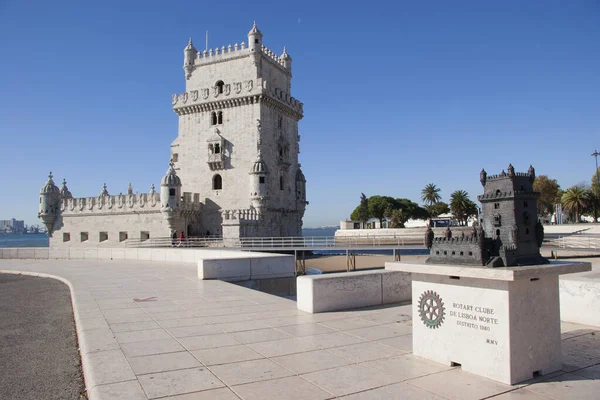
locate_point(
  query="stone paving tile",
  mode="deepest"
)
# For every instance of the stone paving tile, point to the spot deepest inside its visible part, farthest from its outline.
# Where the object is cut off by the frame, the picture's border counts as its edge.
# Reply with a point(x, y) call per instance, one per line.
point(452, 385)
point(260, 335)
point(291, 388)
point(589, 372)
point(249, 371)
point(214, 394)
point(305, 330)
point(130, 390)
point(381, 331)
point(349, 379)
point(347, 324)
point(286, 321)
point(395, 391)
point(134, 326)
point(208, 341)
point(567, 386)
point(406, 366)
point(330, 340)
point(178, 382)
point(141, 336)
point(151, 347)
point(365, 351)
point(311, 361)
point(107, 367)
point(98, 340)
point(226, 355)
point(194, 330)
point(175, 323)
point(163, 362)
point(520, 394)
point(282, 347)
point(85, 324)
point(221, 319)
point(241, 326)
point(403, 342)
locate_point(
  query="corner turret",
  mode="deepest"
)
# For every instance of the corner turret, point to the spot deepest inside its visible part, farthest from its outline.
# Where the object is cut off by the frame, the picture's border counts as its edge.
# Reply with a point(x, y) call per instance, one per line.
point(189, 56)
point(49, 204)
point(258, 184)
point(286, 60)
point(255, 38)
point(64, 191)
point(170, 197)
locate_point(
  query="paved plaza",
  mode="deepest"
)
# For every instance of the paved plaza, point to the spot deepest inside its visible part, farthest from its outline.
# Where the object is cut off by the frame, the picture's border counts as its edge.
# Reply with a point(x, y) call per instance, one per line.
point(153, 330)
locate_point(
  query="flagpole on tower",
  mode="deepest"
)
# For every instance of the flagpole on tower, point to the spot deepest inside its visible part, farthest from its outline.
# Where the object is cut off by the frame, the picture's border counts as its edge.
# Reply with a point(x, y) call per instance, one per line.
point(206, 48)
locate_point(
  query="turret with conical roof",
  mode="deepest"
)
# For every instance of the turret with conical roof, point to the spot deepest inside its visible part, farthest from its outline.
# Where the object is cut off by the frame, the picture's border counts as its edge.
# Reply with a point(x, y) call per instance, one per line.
point(64, 191)
point(258, 184)
point(255, 38)
point(170, 196)
point(286, 60)
point(189, 57)
point(49, 204)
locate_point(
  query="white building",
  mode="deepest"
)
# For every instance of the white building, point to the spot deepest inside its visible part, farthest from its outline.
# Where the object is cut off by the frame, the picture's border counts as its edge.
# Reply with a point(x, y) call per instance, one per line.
point(234, 169)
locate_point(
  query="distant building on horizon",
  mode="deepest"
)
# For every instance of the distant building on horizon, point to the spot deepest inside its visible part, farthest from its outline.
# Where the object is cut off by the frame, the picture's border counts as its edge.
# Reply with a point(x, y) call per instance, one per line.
point(234, 168)
point(12, 225)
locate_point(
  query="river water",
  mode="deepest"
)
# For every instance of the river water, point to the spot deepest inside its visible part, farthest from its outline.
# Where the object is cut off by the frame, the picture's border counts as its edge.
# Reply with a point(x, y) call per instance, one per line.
point(27, 240)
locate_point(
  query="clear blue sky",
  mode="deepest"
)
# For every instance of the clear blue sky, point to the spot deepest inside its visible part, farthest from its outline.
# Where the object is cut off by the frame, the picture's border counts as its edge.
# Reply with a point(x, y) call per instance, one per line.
point(396, 94)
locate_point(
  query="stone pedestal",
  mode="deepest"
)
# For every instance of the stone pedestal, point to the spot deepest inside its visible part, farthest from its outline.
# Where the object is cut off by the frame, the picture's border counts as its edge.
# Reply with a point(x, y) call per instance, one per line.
point(500, 323)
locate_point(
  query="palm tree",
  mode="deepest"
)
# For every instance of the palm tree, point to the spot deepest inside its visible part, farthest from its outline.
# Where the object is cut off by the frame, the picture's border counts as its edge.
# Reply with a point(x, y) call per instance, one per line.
point(460, 205)
point(430, 194)
point(574, 200)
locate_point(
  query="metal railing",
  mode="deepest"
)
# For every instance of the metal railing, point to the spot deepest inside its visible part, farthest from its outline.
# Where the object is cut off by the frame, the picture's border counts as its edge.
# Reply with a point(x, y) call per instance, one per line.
point(578, 242)
point(289, 242)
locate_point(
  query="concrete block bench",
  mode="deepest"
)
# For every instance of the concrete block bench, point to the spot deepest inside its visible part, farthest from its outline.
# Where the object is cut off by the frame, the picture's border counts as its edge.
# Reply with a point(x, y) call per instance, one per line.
point(251, 266)
point(346, 290)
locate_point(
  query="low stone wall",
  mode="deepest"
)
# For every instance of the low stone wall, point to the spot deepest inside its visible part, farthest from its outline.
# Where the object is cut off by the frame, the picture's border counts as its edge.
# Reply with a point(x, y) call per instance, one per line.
point(230, 265)
point(346, 290)
point(579, 300)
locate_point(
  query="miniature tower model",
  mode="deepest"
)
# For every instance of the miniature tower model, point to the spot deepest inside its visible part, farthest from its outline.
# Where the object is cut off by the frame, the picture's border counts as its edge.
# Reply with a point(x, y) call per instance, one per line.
point(238, 140)
point(509, 233)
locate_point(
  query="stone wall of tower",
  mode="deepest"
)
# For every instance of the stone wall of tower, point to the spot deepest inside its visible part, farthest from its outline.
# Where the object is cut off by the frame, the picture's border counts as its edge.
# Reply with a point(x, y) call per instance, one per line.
point(255, 103)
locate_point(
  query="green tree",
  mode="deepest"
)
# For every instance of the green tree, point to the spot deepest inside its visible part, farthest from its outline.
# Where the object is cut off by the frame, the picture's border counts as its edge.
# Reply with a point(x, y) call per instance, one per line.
point(548, 189)
point(592, 202)
point(574, 201)
point(430, 194)
point(397, 218)
point(462, 207)
point(361, 212)
point(437, 209)
point(378, 206)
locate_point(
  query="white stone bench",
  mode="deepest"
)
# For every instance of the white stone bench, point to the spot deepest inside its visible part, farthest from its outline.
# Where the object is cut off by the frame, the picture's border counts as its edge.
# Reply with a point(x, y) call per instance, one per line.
point(252, 266)
point(346, 290)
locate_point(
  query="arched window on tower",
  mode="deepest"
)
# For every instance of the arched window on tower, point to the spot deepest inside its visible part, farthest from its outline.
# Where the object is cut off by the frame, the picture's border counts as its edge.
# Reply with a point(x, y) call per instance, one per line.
point(213, 118)
point(220, 117)
point(217, 148)
point(220, 85)
point(217, 183)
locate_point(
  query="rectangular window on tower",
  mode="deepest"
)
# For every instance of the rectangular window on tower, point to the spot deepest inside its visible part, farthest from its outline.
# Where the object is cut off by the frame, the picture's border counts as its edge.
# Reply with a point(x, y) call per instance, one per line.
point(261, 179)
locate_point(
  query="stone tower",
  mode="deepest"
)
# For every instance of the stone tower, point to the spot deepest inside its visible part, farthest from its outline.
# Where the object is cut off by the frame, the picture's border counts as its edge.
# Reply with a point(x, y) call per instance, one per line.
point(238, 140)
point(509, 208)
